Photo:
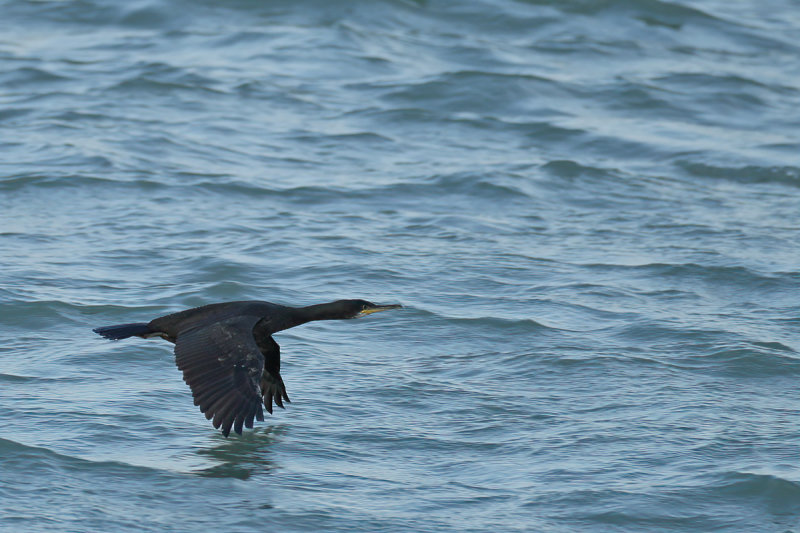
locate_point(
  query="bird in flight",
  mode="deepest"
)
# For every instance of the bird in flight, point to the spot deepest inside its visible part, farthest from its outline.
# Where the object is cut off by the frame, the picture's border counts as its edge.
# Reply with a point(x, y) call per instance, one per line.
point(228, 356)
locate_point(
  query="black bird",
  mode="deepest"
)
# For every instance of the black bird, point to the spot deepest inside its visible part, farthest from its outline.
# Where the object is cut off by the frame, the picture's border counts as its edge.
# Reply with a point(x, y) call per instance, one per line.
point(228, 356)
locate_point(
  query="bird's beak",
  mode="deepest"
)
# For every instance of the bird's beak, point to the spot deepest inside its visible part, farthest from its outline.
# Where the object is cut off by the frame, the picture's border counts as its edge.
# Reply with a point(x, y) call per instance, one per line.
point(377, 308)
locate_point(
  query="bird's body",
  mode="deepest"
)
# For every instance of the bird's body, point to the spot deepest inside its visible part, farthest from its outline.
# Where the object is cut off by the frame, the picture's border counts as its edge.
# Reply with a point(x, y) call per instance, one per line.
point(228, 356)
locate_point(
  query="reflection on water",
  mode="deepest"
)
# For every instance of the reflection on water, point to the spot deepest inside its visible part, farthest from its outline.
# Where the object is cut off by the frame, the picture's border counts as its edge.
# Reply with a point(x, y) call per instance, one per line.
point(242, 456)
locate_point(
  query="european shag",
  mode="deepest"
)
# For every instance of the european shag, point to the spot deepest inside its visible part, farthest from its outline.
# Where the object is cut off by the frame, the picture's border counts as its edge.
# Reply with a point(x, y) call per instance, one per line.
point(228, 356)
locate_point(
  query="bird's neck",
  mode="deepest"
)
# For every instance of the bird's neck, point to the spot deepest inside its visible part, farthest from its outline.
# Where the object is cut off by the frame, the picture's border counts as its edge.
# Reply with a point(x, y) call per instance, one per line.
point(301, 315)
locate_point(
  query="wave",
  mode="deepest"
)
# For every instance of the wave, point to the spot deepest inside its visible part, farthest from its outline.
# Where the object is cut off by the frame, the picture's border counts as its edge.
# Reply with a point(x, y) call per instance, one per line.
point(14, 455)
point(466, 89)
point(17, 182)
point(659, 12)
point(462, 184)
point(782, 495)
point(713, 274)
point(161, 78)
point(782, 175)
point(570, 171)
point(465, 184)
point(743, 362)
point(508, 325)
point(15, 378)
point(25, 76)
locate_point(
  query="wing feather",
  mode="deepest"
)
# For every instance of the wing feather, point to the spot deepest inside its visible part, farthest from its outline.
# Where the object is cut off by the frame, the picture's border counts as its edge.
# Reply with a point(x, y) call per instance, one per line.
point(248, 422)
point(222, 365)
point(272, 387)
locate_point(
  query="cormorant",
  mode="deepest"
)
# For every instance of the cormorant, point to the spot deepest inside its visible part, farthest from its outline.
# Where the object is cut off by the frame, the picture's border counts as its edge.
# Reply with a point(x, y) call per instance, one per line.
point(228, 356)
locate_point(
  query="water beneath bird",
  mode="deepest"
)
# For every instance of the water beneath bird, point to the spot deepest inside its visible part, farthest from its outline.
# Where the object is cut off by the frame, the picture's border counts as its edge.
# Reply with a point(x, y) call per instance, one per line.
point(589, 211)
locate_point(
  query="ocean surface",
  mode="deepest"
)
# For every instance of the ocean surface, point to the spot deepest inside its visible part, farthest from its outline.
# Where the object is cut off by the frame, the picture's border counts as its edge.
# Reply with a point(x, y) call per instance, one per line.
point(590, 210)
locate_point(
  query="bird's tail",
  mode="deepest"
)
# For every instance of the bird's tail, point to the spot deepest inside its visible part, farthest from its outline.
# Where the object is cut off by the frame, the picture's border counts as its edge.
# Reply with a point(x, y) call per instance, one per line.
point(123, 331)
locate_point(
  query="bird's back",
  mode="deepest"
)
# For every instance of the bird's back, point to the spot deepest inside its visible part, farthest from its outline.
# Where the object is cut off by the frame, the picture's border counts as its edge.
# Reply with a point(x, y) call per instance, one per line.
point(173, 324)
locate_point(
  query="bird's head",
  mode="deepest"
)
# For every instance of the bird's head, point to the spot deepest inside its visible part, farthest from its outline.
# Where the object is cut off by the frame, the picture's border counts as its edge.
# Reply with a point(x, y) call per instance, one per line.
point(359, 308)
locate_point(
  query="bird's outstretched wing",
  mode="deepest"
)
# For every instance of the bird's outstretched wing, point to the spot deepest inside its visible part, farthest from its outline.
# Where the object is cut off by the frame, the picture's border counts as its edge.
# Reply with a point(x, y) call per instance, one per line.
point(272, 387)
point(222, 364)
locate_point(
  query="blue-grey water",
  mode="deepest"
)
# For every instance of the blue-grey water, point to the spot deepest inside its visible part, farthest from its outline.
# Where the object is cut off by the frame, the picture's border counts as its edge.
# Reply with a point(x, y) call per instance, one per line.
point(589, 208)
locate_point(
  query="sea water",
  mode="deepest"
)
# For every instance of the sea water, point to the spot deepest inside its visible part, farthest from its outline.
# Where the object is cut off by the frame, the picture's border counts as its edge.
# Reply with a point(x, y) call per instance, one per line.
point(590, 210)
